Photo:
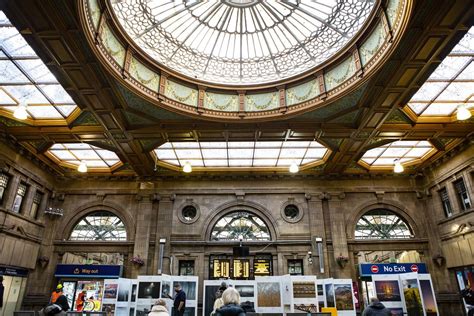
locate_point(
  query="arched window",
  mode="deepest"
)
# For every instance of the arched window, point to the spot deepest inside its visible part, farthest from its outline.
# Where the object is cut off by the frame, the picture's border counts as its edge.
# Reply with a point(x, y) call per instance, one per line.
point(382, 224)
point(99, 226)
point(238, 225)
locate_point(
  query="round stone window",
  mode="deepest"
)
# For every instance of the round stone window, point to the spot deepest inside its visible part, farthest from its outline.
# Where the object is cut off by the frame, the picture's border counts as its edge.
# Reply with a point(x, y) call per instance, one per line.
point(291, 212)
point(189, 213)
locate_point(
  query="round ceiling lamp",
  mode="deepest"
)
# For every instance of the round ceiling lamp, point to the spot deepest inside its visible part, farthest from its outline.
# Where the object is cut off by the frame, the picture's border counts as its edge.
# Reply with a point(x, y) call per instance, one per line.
point(187, 168)
point(463, 113)
point(397, 167)
point(20, 112)
point(294, 168)
point(82, 166)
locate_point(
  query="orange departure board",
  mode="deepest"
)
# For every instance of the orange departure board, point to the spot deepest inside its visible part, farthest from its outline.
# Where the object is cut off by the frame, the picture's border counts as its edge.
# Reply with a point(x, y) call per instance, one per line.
point(241, 269)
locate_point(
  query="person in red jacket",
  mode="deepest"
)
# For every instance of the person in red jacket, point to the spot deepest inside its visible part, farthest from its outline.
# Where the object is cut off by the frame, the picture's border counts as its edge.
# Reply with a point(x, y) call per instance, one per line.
point(81, 298)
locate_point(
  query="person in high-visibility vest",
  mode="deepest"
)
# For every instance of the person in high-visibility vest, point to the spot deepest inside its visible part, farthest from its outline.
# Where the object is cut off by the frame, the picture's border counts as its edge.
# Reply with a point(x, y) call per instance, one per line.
point(56, 293)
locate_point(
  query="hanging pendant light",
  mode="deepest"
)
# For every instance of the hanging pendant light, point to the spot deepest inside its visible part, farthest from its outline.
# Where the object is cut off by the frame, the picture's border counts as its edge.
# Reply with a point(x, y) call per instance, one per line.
point(397, 167)
point(82, 167)
point(463, 113)
point(187, 168)
point(294, 167)
point(20, 112)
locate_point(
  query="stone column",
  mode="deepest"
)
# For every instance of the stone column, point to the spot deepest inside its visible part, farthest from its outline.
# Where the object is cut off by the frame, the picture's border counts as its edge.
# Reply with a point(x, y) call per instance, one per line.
point(163, 231)
point(317, 229)
point(142, 234)
point(338, 236)
point(9, 196)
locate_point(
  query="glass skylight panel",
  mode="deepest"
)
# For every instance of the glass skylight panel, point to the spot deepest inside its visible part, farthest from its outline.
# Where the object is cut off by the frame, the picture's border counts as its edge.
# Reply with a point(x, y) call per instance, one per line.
point(25, 79)
point(74, 153)
point(404, 151)
point(450, 85)
point(257, 41)
point(241, 154)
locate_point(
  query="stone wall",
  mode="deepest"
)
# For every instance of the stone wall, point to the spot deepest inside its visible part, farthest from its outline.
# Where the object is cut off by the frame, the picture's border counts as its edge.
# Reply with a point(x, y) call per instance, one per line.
point(330, 209)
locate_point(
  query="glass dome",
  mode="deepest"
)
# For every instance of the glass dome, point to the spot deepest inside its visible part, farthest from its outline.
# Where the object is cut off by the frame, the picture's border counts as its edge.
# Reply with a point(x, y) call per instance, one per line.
point(241, 42)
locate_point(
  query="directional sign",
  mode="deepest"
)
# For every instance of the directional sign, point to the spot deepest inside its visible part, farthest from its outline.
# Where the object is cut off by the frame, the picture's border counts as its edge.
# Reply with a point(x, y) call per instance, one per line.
point(368, 269)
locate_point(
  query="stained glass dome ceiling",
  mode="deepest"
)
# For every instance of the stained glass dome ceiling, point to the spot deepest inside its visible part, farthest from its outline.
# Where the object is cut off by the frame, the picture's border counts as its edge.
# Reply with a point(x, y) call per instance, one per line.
point(241, 42)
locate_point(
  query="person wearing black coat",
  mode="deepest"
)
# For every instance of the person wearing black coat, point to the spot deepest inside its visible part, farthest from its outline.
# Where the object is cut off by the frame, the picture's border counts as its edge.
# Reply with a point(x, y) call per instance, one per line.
point(376, 309)
point(2, 289)
point(231, 298)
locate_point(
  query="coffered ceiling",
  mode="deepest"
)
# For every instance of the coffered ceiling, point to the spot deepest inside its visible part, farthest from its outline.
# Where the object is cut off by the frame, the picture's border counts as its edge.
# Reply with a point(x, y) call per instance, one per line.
point(111, 117)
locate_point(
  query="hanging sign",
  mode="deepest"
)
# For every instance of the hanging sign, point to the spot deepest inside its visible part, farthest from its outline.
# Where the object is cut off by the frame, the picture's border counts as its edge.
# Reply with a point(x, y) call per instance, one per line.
point(88, 271)
point(368, 269)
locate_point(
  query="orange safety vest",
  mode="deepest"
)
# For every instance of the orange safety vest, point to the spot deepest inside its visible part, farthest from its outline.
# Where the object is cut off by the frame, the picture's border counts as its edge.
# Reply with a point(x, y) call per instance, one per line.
point(55, 296)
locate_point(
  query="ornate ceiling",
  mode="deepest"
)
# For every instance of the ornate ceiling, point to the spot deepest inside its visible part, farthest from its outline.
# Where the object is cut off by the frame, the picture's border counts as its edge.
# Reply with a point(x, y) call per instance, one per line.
point(241, 43)
point(373, 107)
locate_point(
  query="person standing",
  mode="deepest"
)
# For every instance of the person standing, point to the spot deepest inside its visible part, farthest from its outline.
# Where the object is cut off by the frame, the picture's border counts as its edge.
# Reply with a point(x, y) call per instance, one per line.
point(179, 303)
point(468, 296)
point(2, 290)
point(159, 309)
point(231, 299)
point(81, 299)
point(56, 293)
point(376, 309)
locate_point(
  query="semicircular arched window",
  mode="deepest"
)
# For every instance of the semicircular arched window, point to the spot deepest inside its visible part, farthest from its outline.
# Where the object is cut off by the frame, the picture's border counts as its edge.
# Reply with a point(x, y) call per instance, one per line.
point(240, 225)
point(99, 226)
point(382, 224)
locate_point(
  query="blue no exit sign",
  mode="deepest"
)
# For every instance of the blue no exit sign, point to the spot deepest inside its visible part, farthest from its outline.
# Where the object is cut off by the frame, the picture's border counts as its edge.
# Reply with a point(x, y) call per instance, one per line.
point(368, 269)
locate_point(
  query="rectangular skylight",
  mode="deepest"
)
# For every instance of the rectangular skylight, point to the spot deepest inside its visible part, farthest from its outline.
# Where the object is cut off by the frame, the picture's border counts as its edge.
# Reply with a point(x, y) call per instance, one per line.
point(404, 151)
point(74, 153)
point(241, 154)
point(450, 85)
point(25, 79)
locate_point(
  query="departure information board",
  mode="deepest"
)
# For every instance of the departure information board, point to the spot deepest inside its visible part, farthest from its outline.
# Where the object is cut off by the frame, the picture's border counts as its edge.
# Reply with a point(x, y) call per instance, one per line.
point(241, 269)
point(261, 267)
point(221, 268)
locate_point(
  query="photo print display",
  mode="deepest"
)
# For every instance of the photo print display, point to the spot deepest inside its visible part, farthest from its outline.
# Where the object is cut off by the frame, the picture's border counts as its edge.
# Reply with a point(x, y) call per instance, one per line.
point(388, 290)
point(166, 289)
point(303, 289)
point(210, 291)
point(143, 309)
point(110, 290)
point(268, 294)
point(396, 311)
point(329, 289)
point(343, 296)
point(412, 296)
point(150, 290)
point(429, 300)
point(188, 311)
point(134, 293)
point(189, 287)
point(123, 292)
point(245, 290)
point(109, 309)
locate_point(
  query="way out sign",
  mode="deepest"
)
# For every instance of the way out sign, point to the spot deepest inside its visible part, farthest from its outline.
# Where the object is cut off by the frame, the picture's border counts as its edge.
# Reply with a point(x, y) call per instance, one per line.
point(369, 269)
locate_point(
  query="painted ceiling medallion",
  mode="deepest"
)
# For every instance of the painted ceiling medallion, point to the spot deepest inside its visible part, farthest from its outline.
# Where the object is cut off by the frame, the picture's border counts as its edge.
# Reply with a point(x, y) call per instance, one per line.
point(241, 42)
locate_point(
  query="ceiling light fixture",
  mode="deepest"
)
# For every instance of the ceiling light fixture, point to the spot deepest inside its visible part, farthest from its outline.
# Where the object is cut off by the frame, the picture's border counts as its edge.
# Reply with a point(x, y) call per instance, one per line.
point(187, 168)
point(397, 167)
point(20, 112)
point(82, 167)
point(294, 167)
point(463, 113)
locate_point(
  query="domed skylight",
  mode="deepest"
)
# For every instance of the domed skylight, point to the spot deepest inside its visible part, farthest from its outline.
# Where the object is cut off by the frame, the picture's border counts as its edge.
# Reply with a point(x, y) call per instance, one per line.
point(241, 42)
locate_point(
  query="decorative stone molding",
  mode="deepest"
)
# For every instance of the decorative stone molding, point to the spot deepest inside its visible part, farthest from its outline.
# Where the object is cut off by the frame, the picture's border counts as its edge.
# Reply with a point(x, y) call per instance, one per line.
point(291, 201)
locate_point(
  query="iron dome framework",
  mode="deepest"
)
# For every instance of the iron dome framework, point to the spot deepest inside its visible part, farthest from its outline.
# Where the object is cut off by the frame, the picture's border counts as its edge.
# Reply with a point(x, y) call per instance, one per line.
point(238, 225)
point(99, 226)
point(382, 224)
point(241, 42)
